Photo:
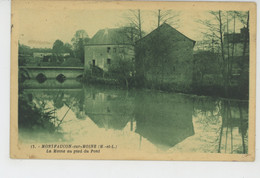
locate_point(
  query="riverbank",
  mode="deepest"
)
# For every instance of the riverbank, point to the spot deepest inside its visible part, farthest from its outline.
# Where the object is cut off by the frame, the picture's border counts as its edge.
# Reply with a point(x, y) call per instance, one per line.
point(214, 91)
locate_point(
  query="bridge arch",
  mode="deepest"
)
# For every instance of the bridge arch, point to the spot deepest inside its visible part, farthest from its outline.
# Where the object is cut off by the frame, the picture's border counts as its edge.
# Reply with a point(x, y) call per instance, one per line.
point(41, 78)
point(61, 78)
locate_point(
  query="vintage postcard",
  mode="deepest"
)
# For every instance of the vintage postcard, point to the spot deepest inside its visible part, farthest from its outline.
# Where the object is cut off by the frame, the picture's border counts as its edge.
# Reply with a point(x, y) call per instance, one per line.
point(133, 80)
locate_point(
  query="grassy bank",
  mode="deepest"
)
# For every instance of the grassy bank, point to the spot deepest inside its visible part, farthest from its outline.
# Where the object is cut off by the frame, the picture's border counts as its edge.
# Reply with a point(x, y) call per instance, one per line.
point(213, 90)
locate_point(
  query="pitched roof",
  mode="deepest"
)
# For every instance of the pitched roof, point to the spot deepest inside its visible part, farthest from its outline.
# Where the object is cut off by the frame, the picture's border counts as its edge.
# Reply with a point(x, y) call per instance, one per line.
point(166, 27)
point(109, 36)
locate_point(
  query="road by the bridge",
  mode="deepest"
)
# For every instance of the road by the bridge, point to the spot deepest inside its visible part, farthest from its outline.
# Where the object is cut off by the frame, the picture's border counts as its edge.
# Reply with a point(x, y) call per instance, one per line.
point(51, 67)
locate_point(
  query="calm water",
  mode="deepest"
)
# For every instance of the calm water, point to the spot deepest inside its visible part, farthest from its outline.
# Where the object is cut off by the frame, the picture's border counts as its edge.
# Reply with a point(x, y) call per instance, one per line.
point(145, 120)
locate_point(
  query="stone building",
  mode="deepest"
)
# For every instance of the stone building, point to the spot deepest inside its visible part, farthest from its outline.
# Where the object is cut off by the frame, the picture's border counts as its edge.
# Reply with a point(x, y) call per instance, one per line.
point(164, 57)
point(107, 46)
point(236, 48)
point(240, 42)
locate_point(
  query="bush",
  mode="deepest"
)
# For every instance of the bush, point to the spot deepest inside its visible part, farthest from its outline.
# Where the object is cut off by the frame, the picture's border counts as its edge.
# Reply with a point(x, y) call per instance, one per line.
point(72, 62)
point(32, 118)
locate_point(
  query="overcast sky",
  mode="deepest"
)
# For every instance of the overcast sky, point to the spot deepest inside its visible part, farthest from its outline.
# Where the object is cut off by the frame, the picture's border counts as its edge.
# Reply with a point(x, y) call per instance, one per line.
point(42, 28)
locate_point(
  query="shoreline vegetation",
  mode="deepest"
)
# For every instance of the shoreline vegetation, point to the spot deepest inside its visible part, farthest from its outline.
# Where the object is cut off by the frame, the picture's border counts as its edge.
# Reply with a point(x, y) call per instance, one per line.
point(234, 92)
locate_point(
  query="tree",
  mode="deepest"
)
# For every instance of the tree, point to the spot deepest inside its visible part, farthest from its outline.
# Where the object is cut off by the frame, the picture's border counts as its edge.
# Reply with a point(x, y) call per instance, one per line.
point(218, 27)
point(79, 34)
point(215, 31)
point(68, 48)
point(244, 65)
point(58, 47)
point(127, 34)
point(168, 16)
point(24, 50)
point(122, 70)
point(134, 20)
point(204, 62)
point(79, 40)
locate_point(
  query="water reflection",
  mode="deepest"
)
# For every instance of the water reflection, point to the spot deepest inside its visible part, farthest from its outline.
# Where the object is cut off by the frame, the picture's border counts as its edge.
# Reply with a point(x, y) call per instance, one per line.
point(109, 109)
point(140, 119)
point(234, 121)
point(164, 119)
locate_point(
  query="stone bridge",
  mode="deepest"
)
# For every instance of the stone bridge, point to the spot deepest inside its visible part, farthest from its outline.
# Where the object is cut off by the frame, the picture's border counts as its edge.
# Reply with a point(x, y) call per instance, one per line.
point(51, 72)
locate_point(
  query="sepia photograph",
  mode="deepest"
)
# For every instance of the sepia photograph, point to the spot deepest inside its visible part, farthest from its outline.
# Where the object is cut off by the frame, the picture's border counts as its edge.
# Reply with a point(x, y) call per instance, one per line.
point(133, 80)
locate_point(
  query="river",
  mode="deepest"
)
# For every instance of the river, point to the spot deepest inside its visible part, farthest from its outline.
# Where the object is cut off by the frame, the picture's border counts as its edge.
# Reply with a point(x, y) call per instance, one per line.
point(151, 121)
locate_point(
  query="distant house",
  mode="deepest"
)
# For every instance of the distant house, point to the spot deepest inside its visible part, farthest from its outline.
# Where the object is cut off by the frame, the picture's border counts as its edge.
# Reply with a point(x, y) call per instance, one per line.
point(48, 57)
point(106, 47)
point(64, 54)
point(165, 57)
point(41, 54)
point(237, 46)
point(240, 42)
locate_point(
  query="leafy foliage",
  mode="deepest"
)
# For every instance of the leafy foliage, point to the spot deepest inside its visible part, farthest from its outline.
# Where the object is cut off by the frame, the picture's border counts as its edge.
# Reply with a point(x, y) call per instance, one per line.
point(205, 62)
point(32, 117)
point(71, 62)
point(122, 70)
point(58, 47)
point(78, 41)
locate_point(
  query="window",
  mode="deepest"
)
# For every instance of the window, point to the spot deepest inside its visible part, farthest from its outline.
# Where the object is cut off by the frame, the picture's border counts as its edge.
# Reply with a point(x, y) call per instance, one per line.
point(108, 49)
point(93, 62)
point(108, 61)
point(114, 50)
point(121, 50)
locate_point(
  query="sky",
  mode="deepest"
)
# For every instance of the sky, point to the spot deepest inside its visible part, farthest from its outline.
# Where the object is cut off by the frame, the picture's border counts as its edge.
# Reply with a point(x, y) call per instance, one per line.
point(40, 28)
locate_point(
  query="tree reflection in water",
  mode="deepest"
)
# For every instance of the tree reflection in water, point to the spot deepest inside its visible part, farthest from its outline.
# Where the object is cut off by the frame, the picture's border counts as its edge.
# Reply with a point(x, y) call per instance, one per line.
point(234, 116)
point(229, 119)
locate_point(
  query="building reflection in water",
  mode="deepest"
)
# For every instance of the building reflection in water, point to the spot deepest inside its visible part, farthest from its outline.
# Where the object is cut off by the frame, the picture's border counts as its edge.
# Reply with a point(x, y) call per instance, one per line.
point(160, 122)
point(164, 119)
point(109, 109)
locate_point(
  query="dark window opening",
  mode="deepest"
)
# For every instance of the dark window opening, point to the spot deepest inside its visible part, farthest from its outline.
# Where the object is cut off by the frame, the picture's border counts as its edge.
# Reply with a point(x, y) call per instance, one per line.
point(114, 50)
point(121, 49)
point(93, 62)
point(108, 49)
point(108, 61)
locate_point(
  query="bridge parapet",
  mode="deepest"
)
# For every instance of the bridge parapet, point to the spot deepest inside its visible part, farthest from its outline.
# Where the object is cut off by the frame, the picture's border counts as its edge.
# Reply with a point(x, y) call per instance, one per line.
point(52, 72)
